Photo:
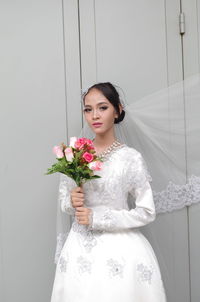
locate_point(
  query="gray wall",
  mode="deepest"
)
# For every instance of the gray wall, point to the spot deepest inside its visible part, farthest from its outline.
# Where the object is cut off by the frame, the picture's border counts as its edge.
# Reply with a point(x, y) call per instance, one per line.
point(49, 50)
point(33, 120)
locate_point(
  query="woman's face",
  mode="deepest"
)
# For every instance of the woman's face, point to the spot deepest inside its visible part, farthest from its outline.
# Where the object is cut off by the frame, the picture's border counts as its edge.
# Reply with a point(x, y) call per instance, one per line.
point(98, 109)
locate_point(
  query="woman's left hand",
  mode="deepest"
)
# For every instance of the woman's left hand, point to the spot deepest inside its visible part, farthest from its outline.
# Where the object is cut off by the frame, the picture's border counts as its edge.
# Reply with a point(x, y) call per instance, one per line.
point(82, 215)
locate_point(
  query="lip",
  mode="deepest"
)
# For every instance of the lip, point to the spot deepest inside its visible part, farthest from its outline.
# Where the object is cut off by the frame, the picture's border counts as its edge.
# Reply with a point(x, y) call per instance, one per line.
point(97, 124)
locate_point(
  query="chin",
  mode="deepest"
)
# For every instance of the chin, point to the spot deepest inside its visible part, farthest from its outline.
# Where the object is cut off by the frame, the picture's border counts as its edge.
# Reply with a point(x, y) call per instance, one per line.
point(99, 131)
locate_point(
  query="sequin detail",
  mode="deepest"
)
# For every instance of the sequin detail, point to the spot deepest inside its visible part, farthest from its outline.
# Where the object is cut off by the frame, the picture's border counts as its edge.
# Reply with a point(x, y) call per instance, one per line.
point(114, 147)
point(115, 268)
point(145, 272)
point(85, 265)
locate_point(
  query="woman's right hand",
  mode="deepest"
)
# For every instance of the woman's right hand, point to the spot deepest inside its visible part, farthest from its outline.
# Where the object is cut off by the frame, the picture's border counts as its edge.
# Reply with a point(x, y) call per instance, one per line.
point(77, 197)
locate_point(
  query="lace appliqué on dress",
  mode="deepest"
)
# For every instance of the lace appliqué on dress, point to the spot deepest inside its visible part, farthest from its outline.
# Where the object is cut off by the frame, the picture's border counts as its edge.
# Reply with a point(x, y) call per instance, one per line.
point(89, 239)
point(61, 238)
point(138, 173)
point(85, 265)
point(64, 198)
point(144, 272)
point(63, 264)
point(103, 219)
point(115, 268)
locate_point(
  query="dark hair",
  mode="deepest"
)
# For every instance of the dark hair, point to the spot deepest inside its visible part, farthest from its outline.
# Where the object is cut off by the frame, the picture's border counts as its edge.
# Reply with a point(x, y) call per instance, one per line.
point(110, 92)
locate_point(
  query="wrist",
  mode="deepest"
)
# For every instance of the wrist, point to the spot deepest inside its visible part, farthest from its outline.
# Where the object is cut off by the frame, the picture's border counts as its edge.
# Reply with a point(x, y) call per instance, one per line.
point(90, 219)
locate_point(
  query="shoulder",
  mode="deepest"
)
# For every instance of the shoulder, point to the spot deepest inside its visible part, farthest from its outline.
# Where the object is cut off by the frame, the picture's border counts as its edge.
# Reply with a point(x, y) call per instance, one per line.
point(132, 153)
point(132, 158)
point(136, 160)
point(137, 167)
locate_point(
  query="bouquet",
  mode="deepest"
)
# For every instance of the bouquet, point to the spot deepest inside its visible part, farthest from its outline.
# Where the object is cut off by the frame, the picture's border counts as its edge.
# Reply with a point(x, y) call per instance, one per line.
point(78, 160)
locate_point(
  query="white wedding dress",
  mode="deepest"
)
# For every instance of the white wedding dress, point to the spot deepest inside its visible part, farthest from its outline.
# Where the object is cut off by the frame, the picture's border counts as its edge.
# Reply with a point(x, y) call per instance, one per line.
point(110, 260)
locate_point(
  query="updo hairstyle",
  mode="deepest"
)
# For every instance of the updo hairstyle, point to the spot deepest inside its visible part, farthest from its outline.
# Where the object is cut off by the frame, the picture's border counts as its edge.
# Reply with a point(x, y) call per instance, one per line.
point(110, 92)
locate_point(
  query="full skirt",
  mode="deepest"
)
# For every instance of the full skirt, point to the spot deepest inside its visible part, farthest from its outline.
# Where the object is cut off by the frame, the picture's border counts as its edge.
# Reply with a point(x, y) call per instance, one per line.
point(107, 267)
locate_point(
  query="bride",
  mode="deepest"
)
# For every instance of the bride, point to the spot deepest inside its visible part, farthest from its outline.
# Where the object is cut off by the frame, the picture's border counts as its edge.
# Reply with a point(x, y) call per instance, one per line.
point(105, 257)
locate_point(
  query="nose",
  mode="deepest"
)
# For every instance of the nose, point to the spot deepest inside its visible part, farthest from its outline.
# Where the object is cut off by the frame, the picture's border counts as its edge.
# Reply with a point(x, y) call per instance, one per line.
point(95, 114)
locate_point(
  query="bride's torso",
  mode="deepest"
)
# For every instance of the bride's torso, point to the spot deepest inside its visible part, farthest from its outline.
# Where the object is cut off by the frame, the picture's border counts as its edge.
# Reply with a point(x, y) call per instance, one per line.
point(112, 188)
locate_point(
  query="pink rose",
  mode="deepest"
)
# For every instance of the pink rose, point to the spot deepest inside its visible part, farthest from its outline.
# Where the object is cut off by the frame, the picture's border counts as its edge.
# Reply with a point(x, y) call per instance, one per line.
point(73, 139)
point(88, 156)
point(79, 144)
point(96, 165)
point(58, 151)
point(69, 154)
point(90, 143)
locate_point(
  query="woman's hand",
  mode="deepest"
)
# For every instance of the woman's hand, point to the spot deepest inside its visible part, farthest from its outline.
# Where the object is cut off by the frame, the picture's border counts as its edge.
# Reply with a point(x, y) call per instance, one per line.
point(77, 197)
point(83, 215)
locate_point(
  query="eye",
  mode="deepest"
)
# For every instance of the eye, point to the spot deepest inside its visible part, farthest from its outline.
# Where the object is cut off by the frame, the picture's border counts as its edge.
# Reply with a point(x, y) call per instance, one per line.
point(102, 107)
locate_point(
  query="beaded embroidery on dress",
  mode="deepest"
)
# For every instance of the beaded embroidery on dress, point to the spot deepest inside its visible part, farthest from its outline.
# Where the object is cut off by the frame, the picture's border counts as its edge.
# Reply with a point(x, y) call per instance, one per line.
point(110, 260)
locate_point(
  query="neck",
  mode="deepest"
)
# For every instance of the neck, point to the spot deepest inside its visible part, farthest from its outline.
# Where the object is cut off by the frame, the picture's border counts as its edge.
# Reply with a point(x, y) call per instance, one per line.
point(102, 141)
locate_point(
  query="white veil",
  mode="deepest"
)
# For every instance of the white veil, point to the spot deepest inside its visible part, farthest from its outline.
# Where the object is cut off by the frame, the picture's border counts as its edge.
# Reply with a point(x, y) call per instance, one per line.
point(165, 127)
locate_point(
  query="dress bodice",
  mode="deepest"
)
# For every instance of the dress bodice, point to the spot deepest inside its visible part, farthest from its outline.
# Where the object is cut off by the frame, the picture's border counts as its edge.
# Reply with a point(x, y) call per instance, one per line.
point(119, 174)
point(111, 188)
point(124, 173)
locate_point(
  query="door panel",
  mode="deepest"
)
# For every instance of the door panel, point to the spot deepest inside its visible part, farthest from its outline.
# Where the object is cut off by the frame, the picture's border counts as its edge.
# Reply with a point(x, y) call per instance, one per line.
point(191, 59)
point(136, 45)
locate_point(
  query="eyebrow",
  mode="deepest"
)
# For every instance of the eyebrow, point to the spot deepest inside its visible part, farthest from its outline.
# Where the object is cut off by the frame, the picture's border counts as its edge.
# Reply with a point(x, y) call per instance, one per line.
point(97, 104)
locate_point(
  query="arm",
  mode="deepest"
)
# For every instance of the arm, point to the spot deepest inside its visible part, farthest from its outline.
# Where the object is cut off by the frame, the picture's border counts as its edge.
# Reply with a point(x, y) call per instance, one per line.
point(65, 186)
point(144, 212)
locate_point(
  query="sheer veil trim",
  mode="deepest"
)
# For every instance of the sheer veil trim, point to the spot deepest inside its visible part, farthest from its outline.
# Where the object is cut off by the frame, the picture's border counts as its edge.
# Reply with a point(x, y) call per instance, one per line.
point(176, 197)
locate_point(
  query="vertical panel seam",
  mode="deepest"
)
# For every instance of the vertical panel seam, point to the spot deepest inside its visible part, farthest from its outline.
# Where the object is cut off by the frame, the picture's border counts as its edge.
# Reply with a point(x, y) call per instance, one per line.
point(198, 33)
point(186, 156)
point(64, 67)
point(95, 39)
point(80, 59)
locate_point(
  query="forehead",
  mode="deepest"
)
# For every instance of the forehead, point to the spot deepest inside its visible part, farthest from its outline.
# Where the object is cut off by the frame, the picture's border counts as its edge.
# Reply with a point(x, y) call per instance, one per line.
point(94, 97)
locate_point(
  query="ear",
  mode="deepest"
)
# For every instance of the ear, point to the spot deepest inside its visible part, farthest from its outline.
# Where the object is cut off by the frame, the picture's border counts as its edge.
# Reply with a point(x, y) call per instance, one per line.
point(120, 110)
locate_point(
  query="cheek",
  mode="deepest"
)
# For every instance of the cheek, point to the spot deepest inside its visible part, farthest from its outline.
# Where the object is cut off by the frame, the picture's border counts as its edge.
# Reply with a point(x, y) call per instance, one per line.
point(87, 117)
point(109, 116)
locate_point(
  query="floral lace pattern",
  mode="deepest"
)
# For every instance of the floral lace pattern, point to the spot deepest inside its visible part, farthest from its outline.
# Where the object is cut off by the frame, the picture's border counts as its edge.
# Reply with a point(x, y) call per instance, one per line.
point(87, 235)
point(63, 264)
point(64, 198)
point(61, 238)
point(103, 219)
point(139, 169)
point(175, 197)
point(144, 272)
point(84, 265)
point(115, 268)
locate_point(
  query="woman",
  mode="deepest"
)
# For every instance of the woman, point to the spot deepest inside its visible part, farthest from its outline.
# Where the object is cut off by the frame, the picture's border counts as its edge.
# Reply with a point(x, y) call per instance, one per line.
point(105, 256)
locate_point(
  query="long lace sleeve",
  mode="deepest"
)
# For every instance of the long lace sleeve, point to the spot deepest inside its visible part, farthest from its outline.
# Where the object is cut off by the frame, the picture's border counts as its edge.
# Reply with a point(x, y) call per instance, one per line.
point(138, 179)
point(65, 186)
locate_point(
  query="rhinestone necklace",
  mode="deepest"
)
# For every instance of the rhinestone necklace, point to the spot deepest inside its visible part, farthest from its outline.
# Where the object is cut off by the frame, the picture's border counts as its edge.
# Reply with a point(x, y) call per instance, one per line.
point(108, 150)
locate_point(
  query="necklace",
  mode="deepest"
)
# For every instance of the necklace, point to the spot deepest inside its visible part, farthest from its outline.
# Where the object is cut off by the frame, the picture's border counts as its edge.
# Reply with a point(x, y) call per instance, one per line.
point(108, 150)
